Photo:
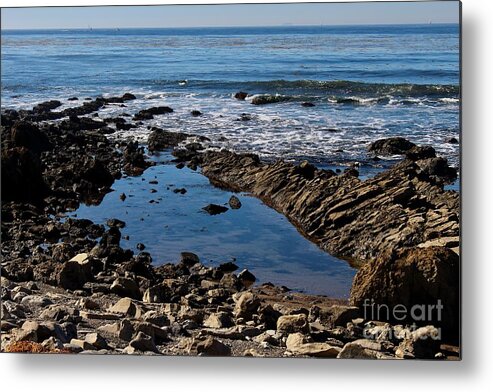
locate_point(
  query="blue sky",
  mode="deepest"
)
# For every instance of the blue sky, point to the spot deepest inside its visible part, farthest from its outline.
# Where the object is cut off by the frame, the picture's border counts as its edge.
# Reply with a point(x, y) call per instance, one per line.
point(231, 15)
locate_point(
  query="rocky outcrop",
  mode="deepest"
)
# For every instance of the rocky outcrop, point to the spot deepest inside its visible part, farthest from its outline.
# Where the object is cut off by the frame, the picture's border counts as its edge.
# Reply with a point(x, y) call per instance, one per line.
point(403, 207)
point(427, 277)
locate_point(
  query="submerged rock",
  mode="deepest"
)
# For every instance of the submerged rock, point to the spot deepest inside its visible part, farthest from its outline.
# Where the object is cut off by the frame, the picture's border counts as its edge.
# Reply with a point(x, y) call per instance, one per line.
point(159, 139)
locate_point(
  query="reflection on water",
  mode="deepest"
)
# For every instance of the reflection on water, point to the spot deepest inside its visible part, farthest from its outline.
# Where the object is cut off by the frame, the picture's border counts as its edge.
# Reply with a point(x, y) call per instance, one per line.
point(255, 236)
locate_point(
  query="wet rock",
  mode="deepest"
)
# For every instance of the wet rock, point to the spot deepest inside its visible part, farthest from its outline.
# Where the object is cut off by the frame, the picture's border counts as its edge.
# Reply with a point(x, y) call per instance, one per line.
point(453, 140)
point(241, 95)
point(159, 139)
point(196, 113)
point(215, 209)
point(140, 246)
point(115, 223)
point(391, 146)
point(148, 114)
point(268, 99)
point(234, 202)
point(181, 191)
point(228, 267)
point(189, 259)
point(307, 104)
point(293, 324)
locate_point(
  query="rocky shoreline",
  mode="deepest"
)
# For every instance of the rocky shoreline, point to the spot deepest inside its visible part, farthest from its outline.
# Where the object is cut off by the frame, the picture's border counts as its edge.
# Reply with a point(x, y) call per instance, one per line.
point(69, 287)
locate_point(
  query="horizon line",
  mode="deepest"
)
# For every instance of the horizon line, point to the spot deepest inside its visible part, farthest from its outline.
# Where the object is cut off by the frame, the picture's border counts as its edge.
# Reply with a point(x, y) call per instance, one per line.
point(228, 26)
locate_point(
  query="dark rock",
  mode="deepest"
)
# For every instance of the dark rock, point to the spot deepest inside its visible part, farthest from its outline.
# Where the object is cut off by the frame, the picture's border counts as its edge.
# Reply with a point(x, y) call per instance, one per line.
point(115, 223)
point(71, 276)
point(391, 146)
point(196, 113)
point(181, 191)
point(159, 139)
point(228, 267)
point(420, 152)
point(214, 209)
point(126, 287)
point(189, 259)
point(438, 168)
point(143, 342)
point(140, 246)
point(21, 176)
point(234, 202)
point(246, 278)
point(26, 134)
point(148, 114)
point(211, 347)
point(453, 140)
point(267, 99)
point(241, 95)
point(307, 104)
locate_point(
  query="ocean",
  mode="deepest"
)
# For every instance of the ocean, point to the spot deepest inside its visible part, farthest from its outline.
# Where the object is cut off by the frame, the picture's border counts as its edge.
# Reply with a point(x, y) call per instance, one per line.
point(366, 82)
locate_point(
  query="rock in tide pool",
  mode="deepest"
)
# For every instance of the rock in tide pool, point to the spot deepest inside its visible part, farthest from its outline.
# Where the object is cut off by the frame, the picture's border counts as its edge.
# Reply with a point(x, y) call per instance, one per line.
point(215, 209)
point(234, 202)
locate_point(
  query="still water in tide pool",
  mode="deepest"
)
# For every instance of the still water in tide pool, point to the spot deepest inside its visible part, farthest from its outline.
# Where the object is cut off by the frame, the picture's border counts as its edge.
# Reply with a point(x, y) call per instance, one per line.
point(254, 237)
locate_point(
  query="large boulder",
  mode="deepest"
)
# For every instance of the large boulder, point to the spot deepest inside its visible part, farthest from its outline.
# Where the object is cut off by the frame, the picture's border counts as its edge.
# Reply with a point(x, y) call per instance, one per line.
point(418, 285)
point(391, 146)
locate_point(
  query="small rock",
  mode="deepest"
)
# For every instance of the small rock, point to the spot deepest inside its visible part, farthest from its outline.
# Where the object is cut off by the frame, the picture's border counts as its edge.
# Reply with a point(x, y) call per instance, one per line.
point(97, 341)
point(292, 324)
point(234, 202)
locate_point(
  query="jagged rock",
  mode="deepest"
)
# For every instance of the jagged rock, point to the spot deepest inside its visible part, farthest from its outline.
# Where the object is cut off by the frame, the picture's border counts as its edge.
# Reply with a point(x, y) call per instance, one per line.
point(292, 324)
point(267, 99)
point(71, 276)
